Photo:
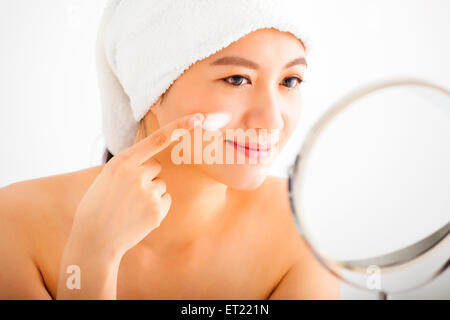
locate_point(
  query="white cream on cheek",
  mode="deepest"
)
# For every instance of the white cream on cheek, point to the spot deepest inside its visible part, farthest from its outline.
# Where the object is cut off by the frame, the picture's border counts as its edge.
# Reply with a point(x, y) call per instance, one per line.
point(216, 120)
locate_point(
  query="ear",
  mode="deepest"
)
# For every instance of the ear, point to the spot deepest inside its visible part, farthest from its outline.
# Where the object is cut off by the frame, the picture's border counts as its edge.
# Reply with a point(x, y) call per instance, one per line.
point(156, 106)
point(141, 132)
point(150, 121)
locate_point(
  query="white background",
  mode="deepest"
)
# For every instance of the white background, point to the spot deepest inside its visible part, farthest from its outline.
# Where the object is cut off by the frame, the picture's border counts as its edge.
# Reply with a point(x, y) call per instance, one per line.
point(49, 102)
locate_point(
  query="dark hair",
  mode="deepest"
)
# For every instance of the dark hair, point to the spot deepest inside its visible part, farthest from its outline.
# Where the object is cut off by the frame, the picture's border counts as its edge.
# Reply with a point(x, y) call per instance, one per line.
point(107, 156)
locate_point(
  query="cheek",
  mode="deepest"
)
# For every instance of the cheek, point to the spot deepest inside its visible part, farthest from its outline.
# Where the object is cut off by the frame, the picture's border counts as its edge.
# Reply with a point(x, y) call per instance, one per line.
point(199, 101)
point(294, 112)
point(214, 101)
point(184, 98)
point(290, 119)
point(173, 110)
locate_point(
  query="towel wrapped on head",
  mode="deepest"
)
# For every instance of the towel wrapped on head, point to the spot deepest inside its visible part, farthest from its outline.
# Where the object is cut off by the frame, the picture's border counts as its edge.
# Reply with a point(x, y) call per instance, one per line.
point(143, 46)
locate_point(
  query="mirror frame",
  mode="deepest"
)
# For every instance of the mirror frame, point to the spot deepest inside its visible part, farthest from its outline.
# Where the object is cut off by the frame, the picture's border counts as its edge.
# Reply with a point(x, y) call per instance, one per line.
point(387, 261)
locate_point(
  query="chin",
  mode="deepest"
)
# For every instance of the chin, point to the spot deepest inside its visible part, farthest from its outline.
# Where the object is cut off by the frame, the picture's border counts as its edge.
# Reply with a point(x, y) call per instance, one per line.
point(249, 184)
point(241, 177)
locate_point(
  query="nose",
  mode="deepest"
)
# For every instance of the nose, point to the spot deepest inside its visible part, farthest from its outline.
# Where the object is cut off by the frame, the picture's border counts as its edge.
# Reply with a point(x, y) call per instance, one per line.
point(265, 114)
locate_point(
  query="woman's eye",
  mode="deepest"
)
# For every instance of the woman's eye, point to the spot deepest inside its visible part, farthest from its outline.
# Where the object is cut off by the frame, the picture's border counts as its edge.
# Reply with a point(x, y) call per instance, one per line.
point(237, 80)
point(234, 78)
point(296, 79)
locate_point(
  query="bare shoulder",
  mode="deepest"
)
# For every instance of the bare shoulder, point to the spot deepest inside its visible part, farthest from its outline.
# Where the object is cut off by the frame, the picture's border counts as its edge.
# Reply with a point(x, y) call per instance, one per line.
point(303, 276)
point(36, 203)
point(43, 208)
point(35, 218)
point(35, 207)
point(22, 218)
point(32, 205)
point(23, 204)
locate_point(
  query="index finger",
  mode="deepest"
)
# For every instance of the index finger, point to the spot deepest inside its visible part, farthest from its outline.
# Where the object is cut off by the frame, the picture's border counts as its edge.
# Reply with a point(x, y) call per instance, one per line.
point(160, 139)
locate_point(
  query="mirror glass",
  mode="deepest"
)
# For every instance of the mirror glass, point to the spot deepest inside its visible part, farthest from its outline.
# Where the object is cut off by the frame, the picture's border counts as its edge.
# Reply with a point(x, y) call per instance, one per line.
point(372, 182)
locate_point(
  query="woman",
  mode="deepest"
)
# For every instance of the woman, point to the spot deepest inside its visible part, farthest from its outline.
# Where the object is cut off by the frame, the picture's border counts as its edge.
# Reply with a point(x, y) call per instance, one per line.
point(143, 227)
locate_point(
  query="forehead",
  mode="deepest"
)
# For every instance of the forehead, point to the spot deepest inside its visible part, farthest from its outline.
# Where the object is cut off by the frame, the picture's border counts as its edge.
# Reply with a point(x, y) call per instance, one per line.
point(268, 47)
point(268, 41)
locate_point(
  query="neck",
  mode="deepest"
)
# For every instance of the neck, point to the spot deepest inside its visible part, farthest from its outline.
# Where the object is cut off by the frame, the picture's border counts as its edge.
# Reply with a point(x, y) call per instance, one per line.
point(198, 204)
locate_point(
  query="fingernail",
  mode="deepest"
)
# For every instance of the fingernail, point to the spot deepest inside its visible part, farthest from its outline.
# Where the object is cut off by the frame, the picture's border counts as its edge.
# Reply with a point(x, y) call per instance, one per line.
point(196, 119)
point(216, 120)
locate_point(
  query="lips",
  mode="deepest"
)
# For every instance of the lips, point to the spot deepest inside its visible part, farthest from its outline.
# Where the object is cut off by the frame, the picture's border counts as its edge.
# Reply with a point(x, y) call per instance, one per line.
point(253, 150)
point(252, 146)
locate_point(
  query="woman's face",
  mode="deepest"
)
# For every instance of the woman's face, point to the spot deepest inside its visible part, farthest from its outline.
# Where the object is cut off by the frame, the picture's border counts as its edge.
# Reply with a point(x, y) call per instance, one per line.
point(261, 95)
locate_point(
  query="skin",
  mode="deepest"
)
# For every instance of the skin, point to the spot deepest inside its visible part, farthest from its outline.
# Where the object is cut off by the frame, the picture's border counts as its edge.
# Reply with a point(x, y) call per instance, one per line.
point(138, 233)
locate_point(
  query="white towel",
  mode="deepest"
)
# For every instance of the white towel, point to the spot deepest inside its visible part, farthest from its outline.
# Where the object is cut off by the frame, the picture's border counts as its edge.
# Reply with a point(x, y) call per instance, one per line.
point(143, 46)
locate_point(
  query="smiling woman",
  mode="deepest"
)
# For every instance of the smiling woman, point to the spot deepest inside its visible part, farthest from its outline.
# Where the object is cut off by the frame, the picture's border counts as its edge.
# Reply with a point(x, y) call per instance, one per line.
point(144, 227)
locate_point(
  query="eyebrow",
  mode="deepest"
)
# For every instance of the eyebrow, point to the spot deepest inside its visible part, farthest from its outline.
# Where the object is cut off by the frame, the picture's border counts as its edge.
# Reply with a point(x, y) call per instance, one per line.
point(239, 61)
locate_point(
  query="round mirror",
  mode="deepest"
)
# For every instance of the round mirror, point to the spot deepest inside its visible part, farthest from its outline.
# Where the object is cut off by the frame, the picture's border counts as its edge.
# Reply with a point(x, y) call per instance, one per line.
point(370, 188)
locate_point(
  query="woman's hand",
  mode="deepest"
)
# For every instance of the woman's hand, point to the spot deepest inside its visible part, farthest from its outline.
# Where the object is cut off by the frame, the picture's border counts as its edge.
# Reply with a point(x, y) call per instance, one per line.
point(127, 200)
point(123, 205)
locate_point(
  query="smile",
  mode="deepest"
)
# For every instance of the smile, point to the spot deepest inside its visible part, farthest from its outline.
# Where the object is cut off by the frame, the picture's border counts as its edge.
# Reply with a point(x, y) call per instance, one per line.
point(252, 150)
